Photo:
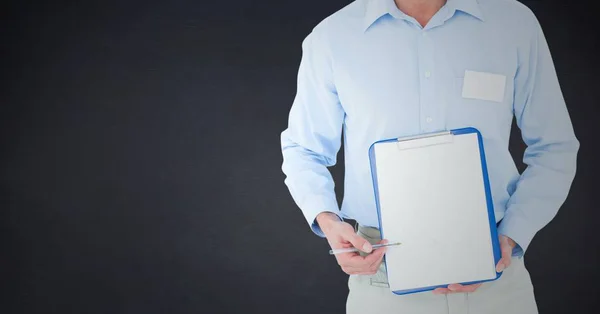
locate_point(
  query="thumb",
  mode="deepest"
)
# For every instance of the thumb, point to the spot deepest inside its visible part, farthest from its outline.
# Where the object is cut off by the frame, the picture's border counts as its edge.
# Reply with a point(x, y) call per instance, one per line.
point(359, 242)
point(506, 251)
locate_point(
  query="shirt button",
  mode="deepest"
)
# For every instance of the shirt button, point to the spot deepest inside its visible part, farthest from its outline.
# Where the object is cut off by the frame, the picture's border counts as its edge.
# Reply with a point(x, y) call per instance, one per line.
point(427, 74)
point(429, 119)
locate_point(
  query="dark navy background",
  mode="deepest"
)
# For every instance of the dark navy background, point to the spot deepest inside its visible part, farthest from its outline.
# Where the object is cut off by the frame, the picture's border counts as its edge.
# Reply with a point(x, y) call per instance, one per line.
point(140, 160)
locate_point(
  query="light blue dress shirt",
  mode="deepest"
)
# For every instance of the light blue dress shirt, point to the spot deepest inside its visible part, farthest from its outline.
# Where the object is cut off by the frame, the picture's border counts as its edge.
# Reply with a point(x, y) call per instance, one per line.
point(375, 73)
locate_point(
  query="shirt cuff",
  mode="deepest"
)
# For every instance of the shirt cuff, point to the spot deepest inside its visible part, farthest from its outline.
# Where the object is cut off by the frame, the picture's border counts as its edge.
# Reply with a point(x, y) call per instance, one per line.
point(313, 207)
point(519, 230)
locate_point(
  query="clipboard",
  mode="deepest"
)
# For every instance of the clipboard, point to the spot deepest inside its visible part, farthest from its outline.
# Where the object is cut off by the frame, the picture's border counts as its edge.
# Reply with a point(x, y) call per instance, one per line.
point(433, 195)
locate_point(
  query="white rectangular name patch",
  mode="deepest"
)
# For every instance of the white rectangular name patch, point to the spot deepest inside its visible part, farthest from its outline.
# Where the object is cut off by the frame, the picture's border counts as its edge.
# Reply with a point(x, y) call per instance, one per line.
point(484, 86)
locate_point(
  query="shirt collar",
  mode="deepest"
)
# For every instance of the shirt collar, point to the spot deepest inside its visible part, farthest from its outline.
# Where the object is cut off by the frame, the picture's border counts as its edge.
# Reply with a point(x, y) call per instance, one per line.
point(377, 8)
point(468, 6)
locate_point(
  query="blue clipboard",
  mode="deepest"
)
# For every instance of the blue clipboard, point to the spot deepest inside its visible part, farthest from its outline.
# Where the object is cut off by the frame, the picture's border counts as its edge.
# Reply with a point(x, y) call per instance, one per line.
point(488, 195)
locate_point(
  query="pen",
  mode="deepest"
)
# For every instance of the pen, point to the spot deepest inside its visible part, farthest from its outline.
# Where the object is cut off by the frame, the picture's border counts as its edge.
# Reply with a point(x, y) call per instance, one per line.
point(352, 249)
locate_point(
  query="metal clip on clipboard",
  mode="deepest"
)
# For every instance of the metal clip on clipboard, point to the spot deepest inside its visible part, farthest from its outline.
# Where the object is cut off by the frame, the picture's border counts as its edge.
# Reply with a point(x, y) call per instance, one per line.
point(429, 139)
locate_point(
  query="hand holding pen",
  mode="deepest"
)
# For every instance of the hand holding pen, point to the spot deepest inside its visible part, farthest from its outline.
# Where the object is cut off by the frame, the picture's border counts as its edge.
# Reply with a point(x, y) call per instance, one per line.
point(341, 235)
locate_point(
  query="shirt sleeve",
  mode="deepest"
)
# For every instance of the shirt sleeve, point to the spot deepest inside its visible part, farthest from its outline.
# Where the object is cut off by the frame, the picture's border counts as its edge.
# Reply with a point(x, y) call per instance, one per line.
point(552, 147)
point(313, 137)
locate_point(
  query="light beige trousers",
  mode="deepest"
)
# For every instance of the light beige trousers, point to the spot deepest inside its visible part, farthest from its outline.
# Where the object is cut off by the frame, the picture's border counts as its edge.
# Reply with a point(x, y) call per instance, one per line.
point(512, 293)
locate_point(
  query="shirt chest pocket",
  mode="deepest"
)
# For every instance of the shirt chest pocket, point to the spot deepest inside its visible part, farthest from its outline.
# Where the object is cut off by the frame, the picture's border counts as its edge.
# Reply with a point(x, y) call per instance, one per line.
point(482, 100)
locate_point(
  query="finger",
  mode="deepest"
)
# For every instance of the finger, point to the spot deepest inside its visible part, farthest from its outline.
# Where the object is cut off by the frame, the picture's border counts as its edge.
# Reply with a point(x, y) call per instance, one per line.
point(441, 291)
point(346, 255)
point(353, 269)
point(501, 266)
point(376, 255)
point(506, 254)
point(351, 260)
point(375, 266)
point(455, 287)
point(379, 252)
point(365, 262)
point(463, 288)
point(377, 262)
point(363, 266)
point(342, 245)
point(339, 244)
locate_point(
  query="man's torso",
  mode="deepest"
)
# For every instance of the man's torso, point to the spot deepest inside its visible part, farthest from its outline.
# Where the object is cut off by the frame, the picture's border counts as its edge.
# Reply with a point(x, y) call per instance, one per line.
point(395, 78)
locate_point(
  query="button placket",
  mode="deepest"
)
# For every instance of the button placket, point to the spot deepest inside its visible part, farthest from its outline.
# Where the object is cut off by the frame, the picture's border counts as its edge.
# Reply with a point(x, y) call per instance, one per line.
point(427, 82)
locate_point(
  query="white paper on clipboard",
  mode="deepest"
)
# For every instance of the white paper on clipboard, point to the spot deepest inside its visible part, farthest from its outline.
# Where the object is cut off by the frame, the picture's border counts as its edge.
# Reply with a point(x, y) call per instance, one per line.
point(432, 198)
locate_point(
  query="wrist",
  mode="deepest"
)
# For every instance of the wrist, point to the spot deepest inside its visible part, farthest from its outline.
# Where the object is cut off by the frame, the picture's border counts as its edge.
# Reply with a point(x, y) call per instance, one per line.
point(510, 241)
point(326, 219)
